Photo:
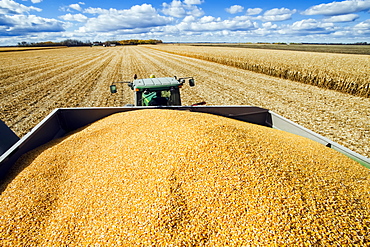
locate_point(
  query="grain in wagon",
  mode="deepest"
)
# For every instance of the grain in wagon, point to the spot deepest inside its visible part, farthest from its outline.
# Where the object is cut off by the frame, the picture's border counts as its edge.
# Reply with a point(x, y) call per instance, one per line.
point(164, 177)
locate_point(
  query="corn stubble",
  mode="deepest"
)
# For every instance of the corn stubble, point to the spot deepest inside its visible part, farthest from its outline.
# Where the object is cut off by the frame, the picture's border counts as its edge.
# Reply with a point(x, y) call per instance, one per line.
point(170, 178)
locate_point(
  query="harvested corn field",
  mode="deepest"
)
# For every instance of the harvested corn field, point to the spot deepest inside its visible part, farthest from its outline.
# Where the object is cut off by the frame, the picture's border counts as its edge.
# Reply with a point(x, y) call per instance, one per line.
point(33, 83)
point(193, 179)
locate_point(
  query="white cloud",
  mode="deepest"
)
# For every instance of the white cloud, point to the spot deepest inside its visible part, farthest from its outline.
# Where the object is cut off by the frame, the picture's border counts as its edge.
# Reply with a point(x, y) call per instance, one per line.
point(189, 19)
point(22, 24)
point(311, 24)
point(235, 9)
point(195, 11)
point(207, 19)
point(269, 25)
point(342, 33)
point(338, 8)
point(254, 11)
point(99, 11)
point(214, 24)
point(184, 20)
point(193, 2)
point(175, 9)
point(75, 6)
point(242, 18)
point(15, 20)
point(363, 25)
point(305, 24)
point(11, 7)
point(283, 17)
point(358, 31)
point(180, 9)
point(281, 11)
point(76, 17)
point(138, 17)
point(72, 7)
point(276, 14)
point(342, 18)
point(165, 30)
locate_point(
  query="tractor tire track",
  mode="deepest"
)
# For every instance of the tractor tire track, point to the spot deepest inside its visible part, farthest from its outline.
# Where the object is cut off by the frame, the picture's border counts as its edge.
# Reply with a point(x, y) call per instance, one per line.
point(61, 90)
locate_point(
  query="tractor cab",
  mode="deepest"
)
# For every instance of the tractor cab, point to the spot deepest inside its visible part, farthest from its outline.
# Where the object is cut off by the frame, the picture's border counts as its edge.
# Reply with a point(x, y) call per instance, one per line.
point(153, 91)
point(157, 91)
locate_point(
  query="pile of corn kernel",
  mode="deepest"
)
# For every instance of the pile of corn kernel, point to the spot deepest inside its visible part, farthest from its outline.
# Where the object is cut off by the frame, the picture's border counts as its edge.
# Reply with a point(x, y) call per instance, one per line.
point(174, 178)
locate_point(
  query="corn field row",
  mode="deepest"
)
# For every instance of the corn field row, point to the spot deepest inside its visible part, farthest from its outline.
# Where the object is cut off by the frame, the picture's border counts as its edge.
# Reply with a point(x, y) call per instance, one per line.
point(344, 73)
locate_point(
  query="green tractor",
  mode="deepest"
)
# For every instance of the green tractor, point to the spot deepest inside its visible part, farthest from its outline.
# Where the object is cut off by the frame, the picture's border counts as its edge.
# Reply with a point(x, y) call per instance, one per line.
point(153, 91)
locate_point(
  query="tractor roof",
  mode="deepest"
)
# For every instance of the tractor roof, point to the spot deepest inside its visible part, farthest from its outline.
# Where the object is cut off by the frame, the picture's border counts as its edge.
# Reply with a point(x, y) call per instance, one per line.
point(156, 83)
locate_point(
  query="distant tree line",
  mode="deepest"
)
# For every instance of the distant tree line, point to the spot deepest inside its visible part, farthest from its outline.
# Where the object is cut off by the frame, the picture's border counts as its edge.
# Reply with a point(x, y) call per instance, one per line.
point(73, 42)
point(67, 42)
point(140, 42)
point(129, 42)
point(283, 43)
point(357, 43)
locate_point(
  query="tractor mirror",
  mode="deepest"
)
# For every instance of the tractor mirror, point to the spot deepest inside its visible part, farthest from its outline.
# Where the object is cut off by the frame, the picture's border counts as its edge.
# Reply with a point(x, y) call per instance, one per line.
point(113, 88)
point(191, 83)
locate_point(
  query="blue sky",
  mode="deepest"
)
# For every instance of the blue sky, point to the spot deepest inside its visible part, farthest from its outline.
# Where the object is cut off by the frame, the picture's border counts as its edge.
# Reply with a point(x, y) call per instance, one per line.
point(185, 20)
